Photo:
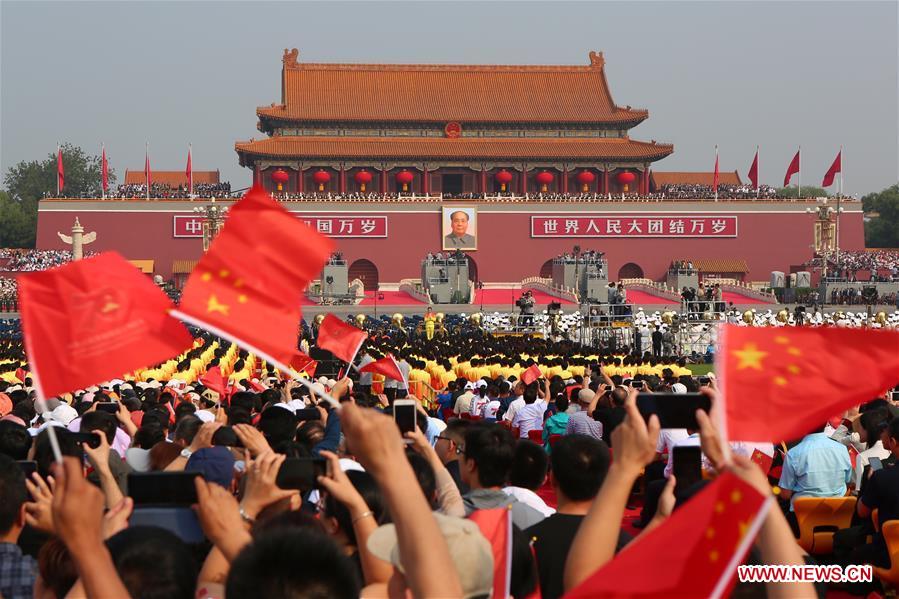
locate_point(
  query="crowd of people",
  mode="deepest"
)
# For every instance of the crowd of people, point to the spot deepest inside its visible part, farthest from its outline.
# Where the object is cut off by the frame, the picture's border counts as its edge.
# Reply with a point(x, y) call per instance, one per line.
point(26, 260)
point(160, 191)
point(853, 266)
point(296, 497)
point(734, 192)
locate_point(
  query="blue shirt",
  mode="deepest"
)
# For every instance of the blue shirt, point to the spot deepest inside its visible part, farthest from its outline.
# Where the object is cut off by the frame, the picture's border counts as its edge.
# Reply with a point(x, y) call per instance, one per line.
point(17, 572)
point(817, 467)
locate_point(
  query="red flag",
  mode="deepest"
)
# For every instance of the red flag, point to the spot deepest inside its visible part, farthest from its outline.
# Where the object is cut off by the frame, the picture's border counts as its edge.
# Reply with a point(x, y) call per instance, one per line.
point(214, 380)
point(94, 319)
point(147, 170)
point(711, 532)
point(248, 286)
point(715, 177)
point(189, 173)
point(104, 171)
point(257, 387)
point(386, 366)
point(762, 459)
point(341, 339)
point(780, 383)
point(531, 374)
point(754, 171)
point(303, 363)
point(60, 171)
point(835, 168)
point(793, 168)
point(853, 455)
point(496, 526)
point(21, 374)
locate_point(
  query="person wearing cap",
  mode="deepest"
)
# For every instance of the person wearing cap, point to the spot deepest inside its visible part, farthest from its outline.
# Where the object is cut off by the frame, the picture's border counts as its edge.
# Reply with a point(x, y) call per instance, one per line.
point(463, 402)
point(582, 421)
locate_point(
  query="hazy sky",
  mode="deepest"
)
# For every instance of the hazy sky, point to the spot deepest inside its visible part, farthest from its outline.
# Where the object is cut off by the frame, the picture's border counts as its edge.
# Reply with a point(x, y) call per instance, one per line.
point(777, 74)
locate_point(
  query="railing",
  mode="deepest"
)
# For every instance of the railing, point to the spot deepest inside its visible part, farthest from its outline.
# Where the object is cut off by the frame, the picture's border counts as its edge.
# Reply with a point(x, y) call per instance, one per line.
point(653, 288)
point(413, 287)
point(546, 286)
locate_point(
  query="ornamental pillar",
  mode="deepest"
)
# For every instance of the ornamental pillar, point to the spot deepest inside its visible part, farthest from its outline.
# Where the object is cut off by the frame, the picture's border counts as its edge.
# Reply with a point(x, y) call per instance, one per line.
point(300, 180)
point(384, 181)
point(605, 180)
point(425, 181)
point(565, 179)
point(483, 180)
point(524, 179)
point(256, 174)
point(341, 182)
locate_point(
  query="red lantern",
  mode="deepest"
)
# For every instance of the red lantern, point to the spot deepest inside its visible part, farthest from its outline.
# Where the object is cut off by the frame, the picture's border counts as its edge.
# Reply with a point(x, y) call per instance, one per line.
point(625, 178)
point(280, 177)
point(362, 178)
point(544, 178)
point(503, 177)
point(404, 178)
point(585, 178)
point(321, 177)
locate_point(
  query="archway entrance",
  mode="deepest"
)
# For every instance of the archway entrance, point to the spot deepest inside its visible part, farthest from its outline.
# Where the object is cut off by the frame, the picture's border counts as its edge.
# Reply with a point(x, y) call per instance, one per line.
point(546, 271)
point(630, 271)
point(365, 271)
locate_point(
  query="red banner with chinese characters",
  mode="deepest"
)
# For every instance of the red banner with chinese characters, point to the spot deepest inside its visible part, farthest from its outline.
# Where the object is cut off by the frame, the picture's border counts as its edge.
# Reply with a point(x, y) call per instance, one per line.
point(633, 226)
point(344, 225)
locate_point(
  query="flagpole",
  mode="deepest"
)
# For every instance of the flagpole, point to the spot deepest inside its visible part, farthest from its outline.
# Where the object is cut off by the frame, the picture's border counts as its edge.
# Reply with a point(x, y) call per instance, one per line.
point(837, 225)
point(102, 162)
point(57, 169)
point(716, 172)
point(147, 168)
point(758, 171)
point(40, 400)
point(799, 178)
point(190, 181)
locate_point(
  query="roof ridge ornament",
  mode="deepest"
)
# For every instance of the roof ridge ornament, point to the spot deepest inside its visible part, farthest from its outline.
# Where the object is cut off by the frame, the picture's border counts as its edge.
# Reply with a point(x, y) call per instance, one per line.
point(290, 58)
point(597, 59)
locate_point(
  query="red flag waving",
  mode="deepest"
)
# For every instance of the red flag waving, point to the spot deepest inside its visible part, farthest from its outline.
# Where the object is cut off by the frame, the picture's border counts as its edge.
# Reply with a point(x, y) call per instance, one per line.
point(340, 338)
point(214, 380)
point(104, 171)
point(780, 383)
point(21, 374)
point(496, 526)
point(60, 171)
point(248, 286)
point(95, 319)
point(754, 171)
point(147, 170)
point(303, 363)
point(762, 459)
point(792, 169)
point(715, 177)
point(531, 374)
point(386, 366)
point(712, 533)
point(189, 172)
point(835, 168)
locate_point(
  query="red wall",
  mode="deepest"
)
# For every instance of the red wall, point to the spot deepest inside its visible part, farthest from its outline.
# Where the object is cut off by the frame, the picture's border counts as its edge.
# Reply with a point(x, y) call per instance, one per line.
point(506, 252)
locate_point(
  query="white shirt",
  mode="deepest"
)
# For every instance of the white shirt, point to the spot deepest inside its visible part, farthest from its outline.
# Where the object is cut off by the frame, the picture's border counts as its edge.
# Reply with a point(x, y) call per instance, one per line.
point(516, 405)
point(490, 409)
point(463, 403)
point(477, 403)
point(668, 437)
point(861, 460)
point(530, 498)
point(530, 417)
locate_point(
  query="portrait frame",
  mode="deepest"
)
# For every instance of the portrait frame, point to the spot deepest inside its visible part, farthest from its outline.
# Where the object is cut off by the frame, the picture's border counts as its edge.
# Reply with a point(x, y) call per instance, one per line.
point(446, 228)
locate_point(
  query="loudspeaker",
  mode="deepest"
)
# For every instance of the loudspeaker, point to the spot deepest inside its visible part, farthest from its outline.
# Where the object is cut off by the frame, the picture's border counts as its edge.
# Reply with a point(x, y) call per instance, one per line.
point(803, 278)
point(777, 279)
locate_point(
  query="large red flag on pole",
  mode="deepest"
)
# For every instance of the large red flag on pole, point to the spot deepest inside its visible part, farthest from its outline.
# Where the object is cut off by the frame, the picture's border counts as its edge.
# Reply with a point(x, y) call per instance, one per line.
point(147, 169)
point(780, 383)
point(712, 533)
point(715, 175)
point(836, 167)
point(793, 169)
point(95, 319)
point(104, 171)
point(248, 286)
point(754, 171)
point(388, 367)
point(60, 172)
point(340, 338)
point(189, 172)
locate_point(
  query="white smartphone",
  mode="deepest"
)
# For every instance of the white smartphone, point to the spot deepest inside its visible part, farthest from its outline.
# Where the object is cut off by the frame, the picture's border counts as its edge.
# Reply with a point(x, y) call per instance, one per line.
point(404, 415)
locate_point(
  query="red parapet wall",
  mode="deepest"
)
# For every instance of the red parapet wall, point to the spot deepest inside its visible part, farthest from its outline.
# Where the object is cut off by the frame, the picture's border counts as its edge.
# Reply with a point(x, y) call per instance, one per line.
point(510, 238)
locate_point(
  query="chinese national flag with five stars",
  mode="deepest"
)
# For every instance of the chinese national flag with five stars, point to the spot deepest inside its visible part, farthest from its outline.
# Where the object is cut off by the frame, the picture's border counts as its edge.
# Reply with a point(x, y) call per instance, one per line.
point(386, 366)
point(711, 532)
point(248, 286)
point(95, 319)
point(780, 383)
point(340, 338)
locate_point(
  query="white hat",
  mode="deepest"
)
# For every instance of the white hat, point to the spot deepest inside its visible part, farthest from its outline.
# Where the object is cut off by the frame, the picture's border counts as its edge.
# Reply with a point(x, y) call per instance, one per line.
point(678, 388)
point(63, 414)
point(205, 415)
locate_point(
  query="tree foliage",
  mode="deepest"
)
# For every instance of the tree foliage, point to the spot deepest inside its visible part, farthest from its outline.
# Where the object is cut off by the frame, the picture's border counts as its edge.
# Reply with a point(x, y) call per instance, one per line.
point(29, 181)
point(808, 191)
point(882, 231)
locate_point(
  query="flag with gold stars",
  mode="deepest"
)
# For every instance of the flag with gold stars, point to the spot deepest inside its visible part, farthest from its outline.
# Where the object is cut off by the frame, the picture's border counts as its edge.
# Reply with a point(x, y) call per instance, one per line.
point(95, 319)
point(248, 286)
point(694, 553)
point(781, 383)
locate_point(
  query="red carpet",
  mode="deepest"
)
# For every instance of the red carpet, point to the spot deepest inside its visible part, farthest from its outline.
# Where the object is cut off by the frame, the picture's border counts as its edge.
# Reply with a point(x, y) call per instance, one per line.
point(391, 298)
point(738, 298)
point(509, 296)
point(638, 298)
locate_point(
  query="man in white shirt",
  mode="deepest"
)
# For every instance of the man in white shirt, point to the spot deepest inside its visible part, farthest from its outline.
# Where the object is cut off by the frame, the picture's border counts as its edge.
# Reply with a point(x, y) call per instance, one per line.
point(463, 402)
point(530, 417)
point(516, 404)
point(490, 408)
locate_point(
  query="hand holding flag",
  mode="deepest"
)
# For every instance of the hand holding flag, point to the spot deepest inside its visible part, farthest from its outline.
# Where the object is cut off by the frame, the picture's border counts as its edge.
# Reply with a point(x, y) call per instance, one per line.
point(340, 338)
point(531, 374)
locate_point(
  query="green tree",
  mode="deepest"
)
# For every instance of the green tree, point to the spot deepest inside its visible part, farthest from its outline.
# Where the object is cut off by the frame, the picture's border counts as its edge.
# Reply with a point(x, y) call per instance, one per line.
point(809, 191)
point(882, 230)
point(29, 181)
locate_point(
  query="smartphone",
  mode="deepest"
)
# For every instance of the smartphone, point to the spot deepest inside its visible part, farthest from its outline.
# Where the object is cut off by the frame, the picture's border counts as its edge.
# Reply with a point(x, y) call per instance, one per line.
point(92, 440)
point(704, 381)
point(162, 488)
point(675, 410)
point(300, 473)
point(28, 467)
point(226, 436)
point(110, 407)
point(636, 384)
point(686, 466)
point(875, 464)
point(304, 414)
point(404, 415)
